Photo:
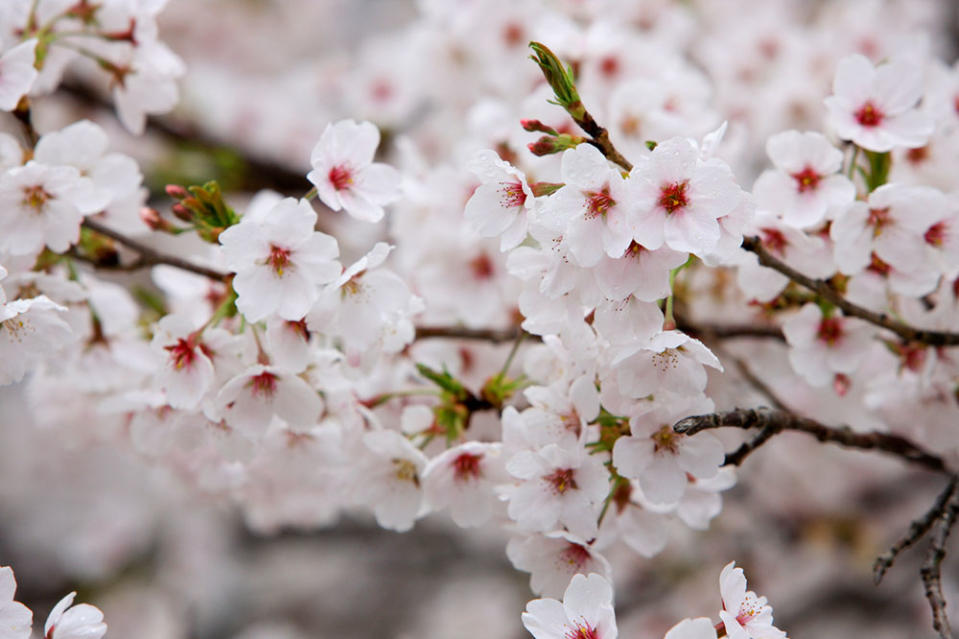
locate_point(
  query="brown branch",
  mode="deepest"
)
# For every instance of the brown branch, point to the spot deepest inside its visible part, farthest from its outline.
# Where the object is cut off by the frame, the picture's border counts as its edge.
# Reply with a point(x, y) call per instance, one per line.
point(931, 567)
point(827, 292)
point(496, 336)
point(917, 530)
point(844, 436)
point(600, 139)
point(148, 256)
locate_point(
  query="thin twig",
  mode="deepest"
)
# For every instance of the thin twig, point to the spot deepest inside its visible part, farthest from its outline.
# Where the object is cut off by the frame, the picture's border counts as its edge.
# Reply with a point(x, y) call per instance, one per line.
point(844, 436)
point(917, 530)
point(727, 331)
point(827, 292)
point(148, 256)
point(931, 567)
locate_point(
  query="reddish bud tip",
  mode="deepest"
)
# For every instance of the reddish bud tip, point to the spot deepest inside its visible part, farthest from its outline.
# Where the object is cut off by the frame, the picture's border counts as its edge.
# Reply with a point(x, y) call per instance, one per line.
point(537, 126)
point(176, 191)
point(182, 212)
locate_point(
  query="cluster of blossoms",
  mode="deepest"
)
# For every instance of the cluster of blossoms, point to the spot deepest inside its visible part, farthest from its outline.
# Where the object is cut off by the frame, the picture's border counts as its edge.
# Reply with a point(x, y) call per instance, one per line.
point(282, 367)
point(65, 621)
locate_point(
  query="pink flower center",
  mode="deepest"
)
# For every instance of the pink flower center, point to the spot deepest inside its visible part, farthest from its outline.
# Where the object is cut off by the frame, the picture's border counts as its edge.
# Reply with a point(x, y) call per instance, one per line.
point(598, 203)
point(263, 384)
point(609, 66)
point(936, 235)
point(774, 240)
point(182, 353)
point(672, 197)
point(869, 115)
point(878, 218)
point(279, 259)
point(299, 328)
point(512, 195)
point(35, 197)
point(807, 179)
point(830, 330)
point(341, 177)
point(634, 250)
point(513, 34)
point(562, 479)
point(841, 384)
point(582, 631)
point(576, 555)
point(878, 266)
point(666, 440)
point(749, 608)
point(918, 155)
point(467, 466)
point(482, 267)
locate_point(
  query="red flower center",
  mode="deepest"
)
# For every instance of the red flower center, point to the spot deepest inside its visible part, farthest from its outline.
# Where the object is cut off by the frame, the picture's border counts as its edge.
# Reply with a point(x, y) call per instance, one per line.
point(263, 384)
point(598, 203)
point(936, 235)
point(562, 479)
point(482, 267)
point(774, 240)
point(576, 555)
point(279, 259)
point(807, 179)
point(584, 631)
point(878, 266)
point(340, 177)
point(830, 330)
point(467, 466)
point(182, 353)
point(512, 195)
point(869, 115)
point(672, 197)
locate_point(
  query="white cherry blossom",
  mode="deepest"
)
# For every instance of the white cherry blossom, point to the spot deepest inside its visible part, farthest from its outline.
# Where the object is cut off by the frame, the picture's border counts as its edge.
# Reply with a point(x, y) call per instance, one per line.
point(17, 73)
point(16, 619)
point(498, 206)
point(346, 176)
point(875, 107)
point(67, 621)
point(280, 261)
point(586, 612)
point(745, 615)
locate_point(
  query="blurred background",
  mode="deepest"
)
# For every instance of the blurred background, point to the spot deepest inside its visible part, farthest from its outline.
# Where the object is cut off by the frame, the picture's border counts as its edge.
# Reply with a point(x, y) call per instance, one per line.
point(167, 557)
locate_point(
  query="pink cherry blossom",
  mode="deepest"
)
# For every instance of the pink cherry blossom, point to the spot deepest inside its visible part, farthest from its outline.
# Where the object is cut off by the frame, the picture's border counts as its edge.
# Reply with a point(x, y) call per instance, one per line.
point(586, 612)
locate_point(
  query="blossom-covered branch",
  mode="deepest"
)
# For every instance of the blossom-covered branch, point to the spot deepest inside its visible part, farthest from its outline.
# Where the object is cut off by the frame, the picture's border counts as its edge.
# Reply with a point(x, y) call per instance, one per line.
point(827, 292)
point(778, 421)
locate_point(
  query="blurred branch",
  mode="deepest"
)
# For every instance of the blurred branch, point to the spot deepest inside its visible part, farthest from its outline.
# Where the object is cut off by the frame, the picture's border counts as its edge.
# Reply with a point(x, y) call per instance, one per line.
point(496, 336)
point(259, 174)
point(147, 256)
point(931, 567)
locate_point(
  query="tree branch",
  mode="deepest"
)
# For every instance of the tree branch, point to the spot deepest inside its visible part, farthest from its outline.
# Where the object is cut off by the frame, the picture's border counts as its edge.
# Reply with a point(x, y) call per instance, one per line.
point(148, 256)
point(827, 292)
point(844, 436)
point(917, 530)
point(497, 336)
point(931, 567)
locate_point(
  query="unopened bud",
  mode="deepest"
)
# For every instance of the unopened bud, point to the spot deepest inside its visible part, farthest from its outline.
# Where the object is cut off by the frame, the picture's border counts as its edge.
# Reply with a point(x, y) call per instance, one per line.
point(182, 212)
point(549, 144)
point(152, 218)
point(535, 126)
point(176, 191)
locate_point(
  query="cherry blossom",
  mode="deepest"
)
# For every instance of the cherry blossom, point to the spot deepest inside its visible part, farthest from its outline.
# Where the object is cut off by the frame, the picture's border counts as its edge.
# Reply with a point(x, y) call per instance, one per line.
point(67, 621)
point(745, 615)
point(680, 197)
point(15, 618)
point(805, 184)
point(554, 559)
point(346, 176)
point(498, 205)
point(875, 107)
point(593, 210)
point(17, 73)
point(42, 205)
point(390, 472)
point(279, 261)
point(822, 346)
point(586, 612)
point(462, 479)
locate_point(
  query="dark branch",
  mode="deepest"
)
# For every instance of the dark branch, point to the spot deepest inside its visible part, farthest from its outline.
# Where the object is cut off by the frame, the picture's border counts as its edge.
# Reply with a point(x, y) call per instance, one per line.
point(148, 256)
point(728, 331)
point(931, 567)
point(496, 336)
point(827, 292)
point(778, 420)
point(917, 530)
